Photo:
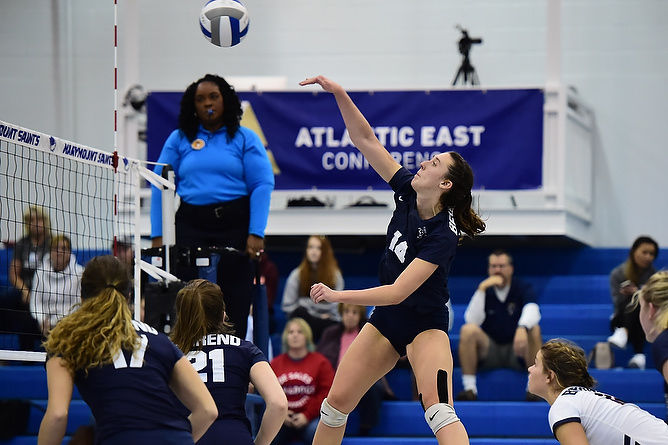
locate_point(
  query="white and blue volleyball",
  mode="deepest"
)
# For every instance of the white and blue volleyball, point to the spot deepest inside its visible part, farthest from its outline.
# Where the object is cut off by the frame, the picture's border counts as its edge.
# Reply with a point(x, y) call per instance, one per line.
point(224, 22)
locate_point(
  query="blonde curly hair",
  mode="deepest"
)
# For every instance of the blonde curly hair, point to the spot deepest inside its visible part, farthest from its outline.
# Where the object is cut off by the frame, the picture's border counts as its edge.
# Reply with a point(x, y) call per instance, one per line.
point(101, 326)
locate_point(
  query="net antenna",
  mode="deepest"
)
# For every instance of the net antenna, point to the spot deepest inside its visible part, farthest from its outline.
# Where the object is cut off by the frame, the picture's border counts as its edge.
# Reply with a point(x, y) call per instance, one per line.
point(466, 73)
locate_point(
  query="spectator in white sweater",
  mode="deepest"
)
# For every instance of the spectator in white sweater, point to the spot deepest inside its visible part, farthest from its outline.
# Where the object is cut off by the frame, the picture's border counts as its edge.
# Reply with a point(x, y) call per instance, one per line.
point(56, 286)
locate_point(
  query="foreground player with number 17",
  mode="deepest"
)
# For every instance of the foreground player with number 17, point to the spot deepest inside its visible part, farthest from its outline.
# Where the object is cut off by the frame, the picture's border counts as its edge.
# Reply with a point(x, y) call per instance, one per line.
point(124, 370)
point(433, 208)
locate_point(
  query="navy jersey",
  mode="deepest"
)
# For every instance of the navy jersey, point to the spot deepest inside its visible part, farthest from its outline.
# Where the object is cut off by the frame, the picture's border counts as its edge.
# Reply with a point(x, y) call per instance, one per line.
point(501, 318)
point(660, 350)
point(223, 363)
point(133, 393)
point(409, 236)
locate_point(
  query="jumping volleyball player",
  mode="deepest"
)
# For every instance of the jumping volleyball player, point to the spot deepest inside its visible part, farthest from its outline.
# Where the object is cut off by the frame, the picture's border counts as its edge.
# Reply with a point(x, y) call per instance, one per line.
point(125, 370)
point(411, 318)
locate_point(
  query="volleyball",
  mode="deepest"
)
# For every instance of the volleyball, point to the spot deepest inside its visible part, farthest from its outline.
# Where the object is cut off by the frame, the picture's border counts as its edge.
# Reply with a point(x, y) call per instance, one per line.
point(224, 22)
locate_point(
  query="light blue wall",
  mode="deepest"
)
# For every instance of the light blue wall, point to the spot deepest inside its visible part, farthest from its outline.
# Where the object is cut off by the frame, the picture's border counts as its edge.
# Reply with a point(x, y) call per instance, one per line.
point(614, 53)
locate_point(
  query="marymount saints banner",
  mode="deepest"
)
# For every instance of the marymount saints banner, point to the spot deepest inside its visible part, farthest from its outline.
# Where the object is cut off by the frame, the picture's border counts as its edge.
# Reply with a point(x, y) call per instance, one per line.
point(499, 132)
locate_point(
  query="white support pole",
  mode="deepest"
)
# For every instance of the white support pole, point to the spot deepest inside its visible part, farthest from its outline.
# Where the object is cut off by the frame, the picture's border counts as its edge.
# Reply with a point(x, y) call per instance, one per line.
point(137, 240)
point(168, 224)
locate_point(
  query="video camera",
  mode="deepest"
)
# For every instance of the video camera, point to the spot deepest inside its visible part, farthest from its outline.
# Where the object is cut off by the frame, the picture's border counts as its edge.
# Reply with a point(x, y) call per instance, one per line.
point(465, 42)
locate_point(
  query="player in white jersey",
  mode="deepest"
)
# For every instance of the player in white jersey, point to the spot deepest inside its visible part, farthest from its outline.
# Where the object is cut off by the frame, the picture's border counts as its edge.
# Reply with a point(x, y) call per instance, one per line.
point(578, 414)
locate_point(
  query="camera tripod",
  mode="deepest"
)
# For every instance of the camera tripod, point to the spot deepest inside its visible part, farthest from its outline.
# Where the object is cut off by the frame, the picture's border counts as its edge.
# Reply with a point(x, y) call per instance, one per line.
point(466, 73)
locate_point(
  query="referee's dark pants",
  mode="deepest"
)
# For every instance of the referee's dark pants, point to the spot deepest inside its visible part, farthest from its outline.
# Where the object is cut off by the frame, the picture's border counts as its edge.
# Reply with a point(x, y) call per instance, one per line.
point(220, 225)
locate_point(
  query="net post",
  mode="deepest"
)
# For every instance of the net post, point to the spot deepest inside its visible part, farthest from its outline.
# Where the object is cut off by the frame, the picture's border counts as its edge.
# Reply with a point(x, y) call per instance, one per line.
point(137, 244)
point(168, 211)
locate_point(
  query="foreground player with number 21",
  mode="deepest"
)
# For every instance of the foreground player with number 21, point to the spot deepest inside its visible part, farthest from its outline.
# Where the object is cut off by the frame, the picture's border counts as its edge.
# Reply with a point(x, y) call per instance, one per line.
point(226, 364)
point(124, 369)
point(433, 208)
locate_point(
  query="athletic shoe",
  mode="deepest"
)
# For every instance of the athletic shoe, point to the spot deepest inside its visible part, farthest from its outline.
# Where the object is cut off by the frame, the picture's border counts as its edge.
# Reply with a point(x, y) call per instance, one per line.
point(619, 338)
point(467, 395)
point(637, 361)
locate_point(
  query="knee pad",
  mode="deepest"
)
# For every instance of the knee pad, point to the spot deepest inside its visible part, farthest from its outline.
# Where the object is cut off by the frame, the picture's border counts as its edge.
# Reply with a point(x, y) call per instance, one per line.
point(331, 416)
point(440, 415)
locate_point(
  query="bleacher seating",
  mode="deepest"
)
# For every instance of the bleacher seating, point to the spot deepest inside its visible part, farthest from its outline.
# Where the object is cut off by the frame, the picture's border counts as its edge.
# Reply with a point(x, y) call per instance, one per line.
point(572, 285)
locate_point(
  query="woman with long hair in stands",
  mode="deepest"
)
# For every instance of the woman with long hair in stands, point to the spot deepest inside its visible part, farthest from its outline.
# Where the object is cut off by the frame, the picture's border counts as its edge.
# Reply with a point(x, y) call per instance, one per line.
point(318, 265)
point(432, 211)
point(625, 280)
point(124, 370)
point(226, 364)
point(579, 414)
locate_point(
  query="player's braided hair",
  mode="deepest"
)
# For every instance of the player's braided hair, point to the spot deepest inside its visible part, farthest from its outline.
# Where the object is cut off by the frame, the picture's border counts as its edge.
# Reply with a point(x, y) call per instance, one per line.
point(92, 335)
point(568, 362)
point(199, 312)
point(188, 120)
point(459, 196)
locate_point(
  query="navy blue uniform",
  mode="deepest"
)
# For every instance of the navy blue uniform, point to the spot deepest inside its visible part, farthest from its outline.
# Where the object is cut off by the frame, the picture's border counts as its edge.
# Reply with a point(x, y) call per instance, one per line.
point(224, 364)
point(408, 237)
point(660, 354)
point(501, 318)
point(133, 394)
point(660, 350)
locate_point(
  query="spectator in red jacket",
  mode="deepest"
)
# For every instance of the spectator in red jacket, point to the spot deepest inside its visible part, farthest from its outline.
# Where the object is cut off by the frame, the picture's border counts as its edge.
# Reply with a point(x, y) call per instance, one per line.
point(306, 377)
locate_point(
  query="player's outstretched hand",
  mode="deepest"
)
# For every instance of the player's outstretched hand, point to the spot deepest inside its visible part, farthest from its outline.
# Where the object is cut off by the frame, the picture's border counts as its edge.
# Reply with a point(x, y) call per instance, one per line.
point(325, 83)
point(320, 292)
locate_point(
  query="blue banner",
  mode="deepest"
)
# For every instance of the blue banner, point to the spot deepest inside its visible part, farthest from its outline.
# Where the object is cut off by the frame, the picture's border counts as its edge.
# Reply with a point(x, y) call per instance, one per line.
point(499, 132)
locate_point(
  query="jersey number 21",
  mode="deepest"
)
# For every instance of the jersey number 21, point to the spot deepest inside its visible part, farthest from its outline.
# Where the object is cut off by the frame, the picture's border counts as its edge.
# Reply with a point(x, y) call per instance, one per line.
point(199, 362)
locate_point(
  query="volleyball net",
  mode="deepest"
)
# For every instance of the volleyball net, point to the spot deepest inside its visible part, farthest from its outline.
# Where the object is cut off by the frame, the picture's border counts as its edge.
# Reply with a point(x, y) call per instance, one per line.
point(58, 196)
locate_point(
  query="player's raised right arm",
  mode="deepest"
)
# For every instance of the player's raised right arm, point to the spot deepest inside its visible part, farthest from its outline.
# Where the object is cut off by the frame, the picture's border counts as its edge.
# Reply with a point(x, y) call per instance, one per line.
point(359, 129)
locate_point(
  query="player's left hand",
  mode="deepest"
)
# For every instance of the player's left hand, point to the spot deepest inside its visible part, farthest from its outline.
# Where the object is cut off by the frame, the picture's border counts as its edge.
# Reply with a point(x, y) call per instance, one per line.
point(325, 83)
point(320, 292)
point(254, 246)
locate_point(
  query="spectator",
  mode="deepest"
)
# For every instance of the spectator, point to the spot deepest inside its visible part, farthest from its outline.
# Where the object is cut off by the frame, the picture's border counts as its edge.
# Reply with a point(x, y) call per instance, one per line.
point(501, 325)
point(625, 280)
point(580, 415)
point(226, 364)
point(30, 250)
point(269, 277)
point(653, 314)
point(305, 377)
point(224, 178)
point(123, 249)
point(318, 266)
point(56, 286)
point(28, 254)
point(334, 343)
